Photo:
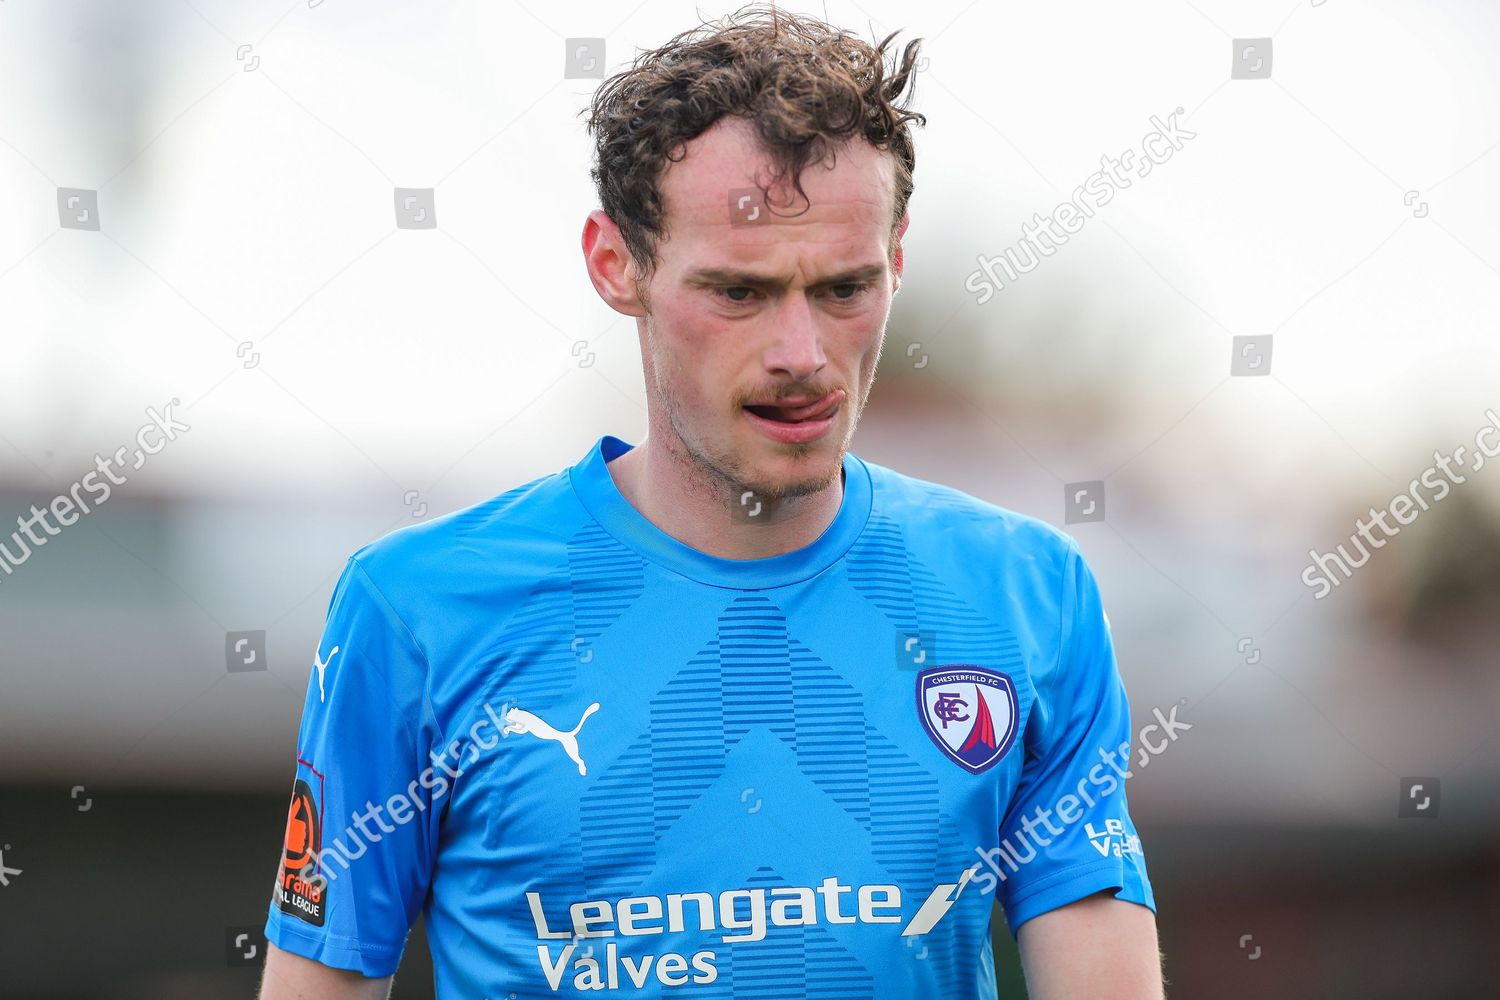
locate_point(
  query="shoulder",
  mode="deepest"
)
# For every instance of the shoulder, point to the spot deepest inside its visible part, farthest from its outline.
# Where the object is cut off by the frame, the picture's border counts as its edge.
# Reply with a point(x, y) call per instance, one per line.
point(928, 512)
point(512, 536)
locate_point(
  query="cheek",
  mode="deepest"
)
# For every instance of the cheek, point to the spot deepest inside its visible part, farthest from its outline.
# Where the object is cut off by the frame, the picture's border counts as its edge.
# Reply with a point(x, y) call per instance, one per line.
point(857, 340)
point(696, 349)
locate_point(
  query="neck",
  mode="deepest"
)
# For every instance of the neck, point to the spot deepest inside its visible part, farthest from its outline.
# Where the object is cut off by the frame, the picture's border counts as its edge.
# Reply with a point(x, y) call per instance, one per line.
point(703, 511)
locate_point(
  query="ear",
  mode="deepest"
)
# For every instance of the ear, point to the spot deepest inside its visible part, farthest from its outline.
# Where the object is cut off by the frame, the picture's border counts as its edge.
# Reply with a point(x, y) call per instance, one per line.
point(897, 260)
point(610, 266)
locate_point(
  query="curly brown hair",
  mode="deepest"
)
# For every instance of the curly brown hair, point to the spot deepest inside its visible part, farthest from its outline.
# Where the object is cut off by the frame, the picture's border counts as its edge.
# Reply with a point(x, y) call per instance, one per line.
point(805, 85)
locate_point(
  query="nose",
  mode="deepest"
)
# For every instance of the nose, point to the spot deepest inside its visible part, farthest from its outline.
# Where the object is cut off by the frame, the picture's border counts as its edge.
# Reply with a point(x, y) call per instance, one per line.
point(796, 347)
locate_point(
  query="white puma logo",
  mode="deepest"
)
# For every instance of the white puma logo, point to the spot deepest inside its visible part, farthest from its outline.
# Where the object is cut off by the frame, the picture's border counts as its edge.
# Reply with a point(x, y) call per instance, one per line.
point(518, 721)
point(322, 665)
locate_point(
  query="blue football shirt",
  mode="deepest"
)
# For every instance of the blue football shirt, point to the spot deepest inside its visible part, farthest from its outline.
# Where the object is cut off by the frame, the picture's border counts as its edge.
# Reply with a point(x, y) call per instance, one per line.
point(599, 760)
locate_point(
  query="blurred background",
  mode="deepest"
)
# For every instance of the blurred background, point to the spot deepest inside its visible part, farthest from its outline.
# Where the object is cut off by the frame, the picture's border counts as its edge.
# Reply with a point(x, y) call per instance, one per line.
point(1243, 352)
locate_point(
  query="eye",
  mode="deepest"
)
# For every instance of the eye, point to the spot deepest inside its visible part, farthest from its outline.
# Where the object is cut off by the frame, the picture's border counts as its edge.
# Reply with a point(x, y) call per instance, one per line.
point(854, 289)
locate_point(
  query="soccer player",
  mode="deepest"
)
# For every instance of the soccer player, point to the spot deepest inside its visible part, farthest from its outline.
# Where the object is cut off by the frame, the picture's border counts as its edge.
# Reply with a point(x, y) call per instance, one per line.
point(730, 712)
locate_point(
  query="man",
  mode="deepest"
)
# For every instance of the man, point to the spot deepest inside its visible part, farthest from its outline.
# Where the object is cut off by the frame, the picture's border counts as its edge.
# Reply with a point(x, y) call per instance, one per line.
point(731, 712)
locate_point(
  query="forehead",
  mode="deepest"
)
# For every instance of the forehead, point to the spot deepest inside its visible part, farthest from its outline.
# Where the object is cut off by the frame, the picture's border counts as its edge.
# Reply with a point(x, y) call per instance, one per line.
point(850, 202)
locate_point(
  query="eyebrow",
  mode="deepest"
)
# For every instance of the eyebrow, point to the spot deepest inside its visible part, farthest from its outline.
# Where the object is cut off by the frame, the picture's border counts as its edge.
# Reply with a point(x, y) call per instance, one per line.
point(705, 276)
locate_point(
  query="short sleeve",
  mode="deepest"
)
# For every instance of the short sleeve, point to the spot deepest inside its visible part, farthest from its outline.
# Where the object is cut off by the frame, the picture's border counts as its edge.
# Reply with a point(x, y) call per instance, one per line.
point(363, 820)
point(1067, 832)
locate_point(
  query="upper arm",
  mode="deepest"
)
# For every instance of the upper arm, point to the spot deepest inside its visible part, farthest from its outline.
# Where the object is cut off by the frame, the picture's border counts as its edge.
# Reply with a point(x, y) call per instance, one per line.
point(1097, 947)
point(364, 819)
point(292, 977)
point(1066, 832)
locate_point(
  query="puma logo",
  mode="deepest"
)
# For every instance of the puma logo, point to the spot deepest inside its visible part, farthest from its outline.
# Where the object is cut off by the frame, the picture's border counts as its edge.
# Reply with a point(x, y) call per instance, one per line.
point(519, 721)
point(322, 665)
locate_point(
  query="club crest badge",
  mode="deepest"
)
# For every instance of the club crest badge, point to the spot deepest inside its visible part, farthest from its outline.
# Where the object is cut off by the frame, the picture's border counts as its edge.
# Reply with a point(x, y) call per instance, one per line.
point(970, 712)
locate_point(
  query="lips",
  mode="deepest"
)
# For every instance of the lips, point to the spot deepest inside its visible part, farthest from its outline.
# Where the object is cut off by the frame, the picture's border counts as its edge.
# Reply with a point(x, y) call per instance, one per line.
point(798, 410)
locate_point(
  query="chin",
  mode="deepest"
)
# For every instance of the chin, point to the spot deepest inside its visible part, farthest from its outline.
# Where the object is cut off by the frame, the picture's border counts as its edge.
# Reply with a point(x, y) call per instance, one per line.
point(782, 471)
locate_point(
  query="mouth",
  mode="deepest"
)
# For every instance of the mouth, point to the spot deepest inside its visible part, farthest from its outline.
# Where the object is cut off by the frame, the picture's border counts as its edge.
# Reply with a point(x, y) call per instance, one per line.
point(796, 422)
point(799, 411)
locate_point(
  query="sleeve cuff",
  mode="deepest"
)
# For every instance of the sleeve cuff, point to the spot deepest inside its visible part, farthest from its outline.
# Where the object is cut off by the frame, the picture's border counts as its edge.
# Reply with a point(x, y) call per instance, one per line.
point(1072, 884)
point(335, 952)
